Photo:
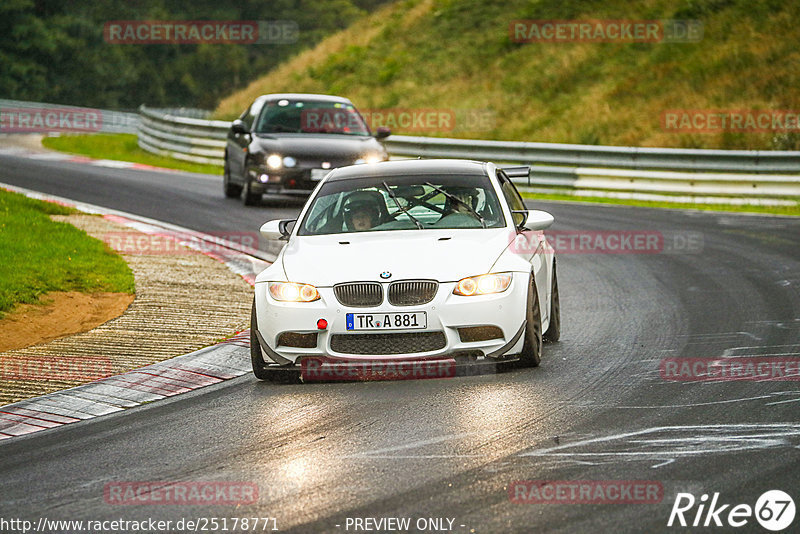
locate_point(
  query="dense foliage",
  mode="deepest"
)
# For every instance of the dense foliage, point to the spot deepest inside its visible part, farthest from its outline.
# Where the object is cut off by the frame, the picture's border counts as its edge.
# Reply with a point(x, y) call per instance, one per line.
point(54, 50)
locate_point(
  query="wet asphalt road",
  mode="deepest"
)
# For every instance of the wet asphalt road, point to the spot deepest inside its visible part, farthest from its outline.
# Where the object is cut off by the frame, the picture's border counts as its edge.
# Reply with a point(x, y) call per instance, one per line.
point(597, 409)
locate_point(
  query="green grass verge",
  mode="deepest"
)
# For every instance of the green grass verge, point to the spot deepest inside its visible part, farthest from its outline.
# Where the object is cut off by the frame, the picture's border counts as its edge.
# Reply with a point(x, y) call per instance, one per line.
point(121, 147)
point(773, 210)
point(38, 255)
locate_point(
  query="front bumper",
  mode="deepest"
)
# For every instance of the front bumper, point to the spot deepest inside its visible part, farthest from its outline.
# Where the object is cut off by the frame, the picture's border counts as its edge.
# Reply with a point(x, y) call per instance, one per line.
point(448, 315)
point(295, 180)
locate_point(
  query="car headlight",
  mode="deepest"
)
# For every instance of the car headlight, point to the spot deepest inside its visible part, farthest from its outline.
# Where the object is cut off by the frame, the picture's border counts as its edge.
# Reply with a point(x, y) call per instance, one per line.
point(484, 284)
point(274, 162)
point(293, 292)
point(369, 158)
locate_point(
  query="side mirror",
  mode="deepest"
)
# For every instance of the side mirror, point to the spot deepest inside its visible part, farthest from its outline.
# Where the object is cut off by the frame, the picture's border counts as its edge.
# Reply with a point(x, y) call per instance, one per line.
point(382, 132)
point(277, 230)
point(238, 127)
point(532, 220)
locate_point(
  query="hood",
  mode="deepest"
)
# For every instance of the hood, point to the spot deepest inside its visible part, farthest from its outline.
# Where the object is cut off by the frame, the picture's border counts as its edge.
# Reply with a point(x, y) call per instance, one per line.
point(443, 255)
point(309, 146)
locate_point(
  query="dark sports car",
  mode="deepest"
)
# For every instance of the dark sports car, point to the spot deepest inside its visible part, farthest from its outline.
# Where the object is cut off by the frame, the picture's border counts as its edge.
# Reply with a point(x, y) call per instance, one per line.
point(286, 143)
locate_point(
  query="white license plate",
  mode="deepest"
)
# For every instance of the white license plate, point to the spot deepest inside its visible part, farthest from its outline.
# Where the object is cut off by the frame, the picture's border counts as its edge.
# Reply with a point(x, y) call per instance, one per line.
point(387, 321)
point(319, 174)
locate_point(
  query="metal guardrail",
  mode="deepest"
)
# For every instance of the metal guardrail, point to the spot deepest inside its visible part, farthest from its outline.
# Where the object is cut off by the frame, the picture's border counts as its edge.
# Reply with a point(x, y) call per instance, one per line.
point(748, 173)
point(750, 161)
point(184, 138)
point(643, 181)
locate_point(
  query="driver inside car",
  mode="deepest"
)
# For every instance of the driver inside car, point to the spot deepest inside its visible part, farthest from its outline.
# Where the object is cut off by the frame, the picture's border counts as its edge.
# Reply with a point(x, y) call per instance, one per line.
point(467, 195)
point(361, 213)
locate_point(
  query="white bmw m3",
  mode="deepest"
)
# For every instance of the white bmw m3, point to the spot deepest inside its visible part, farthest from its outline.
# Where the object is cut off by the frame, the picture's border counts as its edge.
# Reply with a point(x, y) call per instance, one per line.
point(407, 261)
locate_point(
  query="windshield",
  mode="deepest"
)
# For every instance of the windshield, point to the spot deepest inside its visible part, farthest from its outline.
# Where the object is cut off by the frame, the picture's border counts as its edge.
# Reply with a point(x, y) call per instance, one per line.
point(310, 116)
point(385, 203)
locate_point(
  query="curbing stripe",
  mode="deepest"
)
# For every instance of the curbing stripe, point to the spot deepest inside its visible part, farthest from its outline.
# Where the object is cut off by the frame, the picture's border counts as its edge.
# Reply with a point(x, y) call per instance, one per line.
point(63, 399)
point(33, 421)
point(39, 405)
point(8, 421)
point(188, 377)
point(107, 399)
point(19, 429)
point(109, 390)
point(167, 385)
point(141, 384)
point(166, 381)
point(40, 415)
point(210, 370)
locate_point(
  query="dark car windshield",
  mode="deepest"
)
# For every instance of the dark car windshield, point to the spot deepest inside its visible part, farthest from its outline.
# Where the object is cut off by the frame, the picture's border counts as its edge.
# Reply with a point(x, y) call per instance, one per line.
point(311, 116)
point(383, 203)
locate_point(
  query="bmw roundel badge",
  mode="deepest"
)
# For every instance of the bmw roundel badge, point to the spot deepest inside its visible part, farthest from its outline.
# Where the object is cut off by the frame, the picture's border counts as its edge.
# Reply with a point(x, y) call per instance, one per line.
point(386, 274)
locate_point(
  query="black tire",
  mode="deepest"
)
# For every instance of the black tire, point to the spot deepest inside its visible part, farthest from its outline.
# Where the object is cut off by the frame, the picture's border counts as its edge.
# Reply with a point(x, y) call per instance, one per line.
point(554, 328)
point(531, 354)
point(248, 197)
point(260, 369)
point(231, 190)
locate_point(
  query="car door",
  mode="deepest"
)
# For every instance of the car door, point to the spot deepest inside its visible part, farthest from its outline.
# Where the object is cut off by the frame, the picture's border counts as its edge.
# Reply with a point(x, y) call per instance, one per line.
point(534, 253)
point(237, 143)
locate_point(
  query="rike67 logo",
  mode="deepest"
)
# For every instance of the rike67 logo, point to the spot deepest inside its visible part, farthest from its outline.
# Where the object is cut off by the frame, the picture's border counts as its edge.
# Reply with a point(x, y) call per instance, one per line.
point(774, 510)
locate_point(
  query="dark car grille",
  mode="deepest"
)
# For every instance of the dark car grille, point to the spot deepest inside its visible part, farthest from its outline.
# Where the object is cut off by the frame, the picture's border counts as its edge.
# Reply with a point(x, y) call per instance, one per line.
point(359, 294)
point(297, 339)
point(403, 343)
point(412, 292)
point(309, 162)
point(479, 333)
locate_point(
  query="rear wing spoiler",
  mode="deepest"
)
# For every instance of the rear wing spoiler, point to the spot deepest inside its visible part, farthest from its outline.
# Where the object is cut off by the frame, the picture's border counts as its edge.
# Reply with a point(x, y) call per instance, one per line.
point(516, 171)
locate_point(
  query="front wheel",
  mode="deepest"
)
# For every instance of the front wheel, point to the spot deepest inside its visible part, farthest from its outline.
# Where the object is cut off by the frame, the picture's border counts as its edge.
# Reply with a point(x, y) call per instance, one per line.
point(260, 368)
point(248, 196)
point(531, 354)
point(554, 328)
point(231, 190)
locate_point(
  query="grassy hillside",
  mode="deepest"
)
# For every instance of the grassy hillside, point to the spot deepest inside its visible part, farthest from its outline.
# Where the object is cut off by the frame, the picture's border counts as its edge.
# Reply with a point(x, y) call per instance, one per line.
point(457, 55)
